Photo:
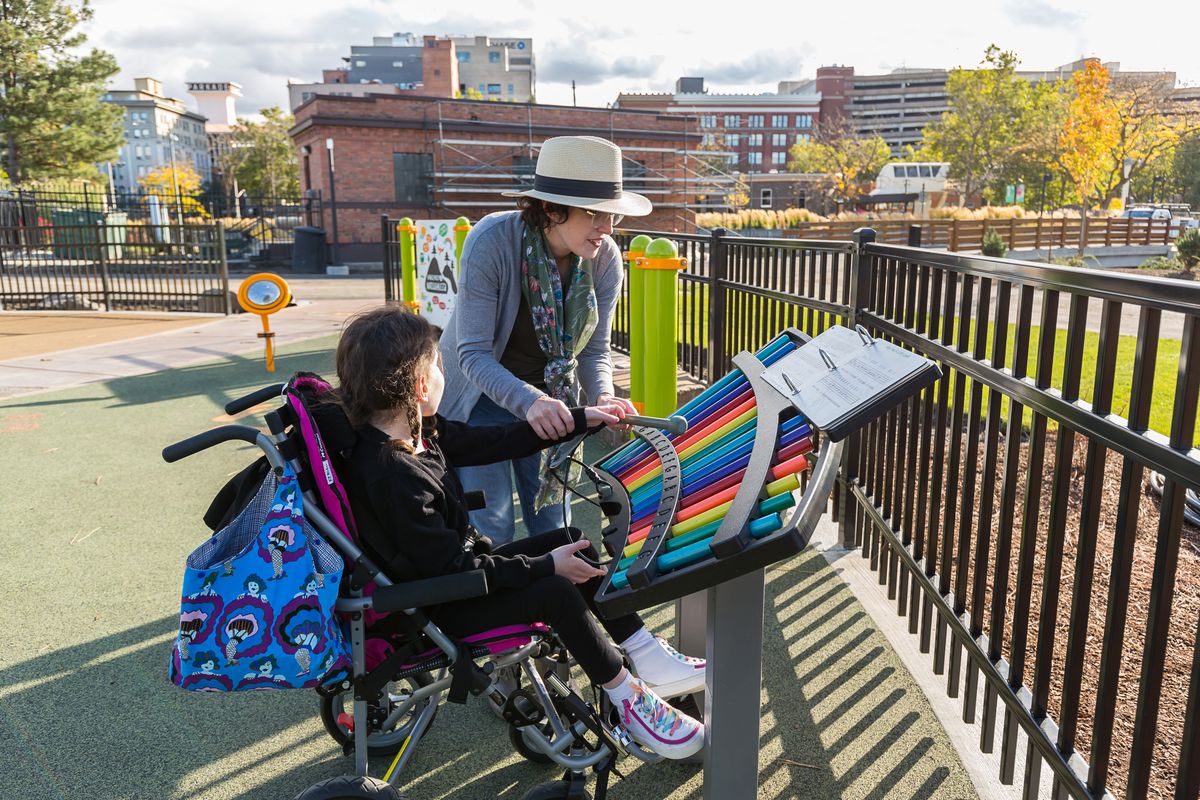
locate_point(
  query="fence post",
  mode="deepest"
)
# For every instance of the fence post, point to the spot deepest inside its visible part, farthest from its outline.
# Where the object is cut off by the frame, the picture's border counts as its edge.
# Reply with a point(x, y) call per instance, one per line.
point(953, 236)
point(102, 257)
point(860, 289)
point(384, 228)
point(914, 235)
point(718, 264)
point(221, 255)
point(1012, 233)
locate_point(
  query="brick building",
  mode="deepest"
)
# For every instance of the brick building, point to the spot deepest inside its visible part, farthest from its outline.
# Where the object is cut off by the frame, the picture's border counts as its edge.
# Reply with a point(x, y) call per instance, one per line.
point(429, 157)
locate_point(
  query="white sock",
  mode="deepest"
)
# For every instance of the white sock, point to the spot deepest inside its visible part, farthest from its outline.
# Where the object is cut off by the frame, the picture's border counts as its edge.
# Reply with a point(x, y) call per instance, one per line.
point(621, 692)
point(638, 641)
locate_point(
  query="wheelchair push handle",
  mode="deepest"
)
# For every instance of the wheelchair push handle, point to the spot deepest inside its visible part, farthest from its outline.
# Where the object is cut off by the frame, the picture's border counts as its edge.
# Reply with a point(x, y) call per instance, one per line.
point(254, 398)
point(676, 424)
point(207, 439)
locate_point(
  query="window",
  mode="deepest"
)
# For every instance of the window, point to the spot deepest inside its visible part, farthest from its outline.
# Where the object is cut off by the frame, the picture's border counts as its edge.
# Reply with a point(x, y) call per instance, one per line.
point(802, 137)
point(733, 139)
point(493, 57)
point(483, 87)
point(765, 198)
point(754, 158)
point(708, 121)
point(754, 139)
point(463, 56)
point(779, 139)
point(755, 121)
point(898, 171)
point(493, 88)
point(633, 175)
point(510, 88)
point(925, 171)
point(779, 157)
point(412, 172)
point(523, 167)
point(733, 121)
point(912, 172)
point(804, 120)
point(779, 120)
point(708, 140)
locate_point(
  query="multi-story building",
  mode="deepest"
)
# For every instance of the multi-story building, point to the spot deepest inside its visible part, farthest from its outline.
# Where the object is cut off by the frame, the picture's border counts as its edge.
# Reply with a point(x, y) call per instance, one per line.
point(431, 158)
point(499, 69)
point(750, 133)
point(217, 102)
point(158, 131)
point(503, 70)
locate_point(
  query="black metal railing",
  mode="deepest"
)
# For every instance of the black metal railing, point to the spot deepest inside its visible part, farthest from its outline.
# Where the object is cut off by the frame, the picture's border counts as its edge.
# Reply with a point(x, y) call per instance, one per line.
point(1006, 508)
point(111, 267)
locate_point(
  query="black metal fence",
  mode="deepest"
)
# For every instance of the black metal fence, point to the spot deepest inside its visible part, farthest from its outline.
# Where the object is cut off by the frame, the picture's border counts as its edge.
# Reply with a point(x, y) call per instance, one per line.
point(256, 228)
point(1007, 508)
point(114, 267)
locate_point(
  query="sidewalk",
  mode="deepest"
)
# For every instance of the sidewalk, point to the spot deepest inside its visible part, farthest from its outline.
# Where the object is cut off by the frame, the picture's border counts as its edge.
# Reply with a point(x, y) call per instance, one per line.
point(322, 305)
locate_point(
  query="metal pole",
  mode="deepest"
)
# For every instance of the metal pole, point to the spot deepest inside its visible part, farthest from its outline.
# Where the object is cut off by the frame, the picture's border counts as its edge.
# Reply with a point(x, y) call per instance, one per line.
point(334, 255)
point(385, 225)
point(224, 262)
point(102, 258)
point(175, 181)
point(718, 254)
point(661, 376)
point(637, 323)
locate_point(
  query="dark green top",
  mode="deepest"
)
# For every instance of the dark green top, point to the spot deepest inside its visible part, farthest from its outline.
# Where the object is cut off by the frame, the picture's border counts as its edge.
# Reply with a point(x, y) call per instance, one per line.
point(522, 355)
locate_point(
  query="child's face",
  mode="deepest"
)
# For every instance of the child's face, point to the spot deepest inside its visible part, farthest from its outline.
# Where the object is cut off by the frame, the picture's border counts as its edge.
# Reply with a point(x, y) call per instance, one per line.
point(430, 386)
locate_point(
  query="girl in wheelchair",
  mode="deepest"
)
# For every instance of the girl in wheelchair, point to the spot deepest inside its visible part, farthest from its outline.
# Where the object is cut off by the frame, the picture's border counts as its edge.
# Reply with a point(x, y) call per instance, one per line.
point(412, 517)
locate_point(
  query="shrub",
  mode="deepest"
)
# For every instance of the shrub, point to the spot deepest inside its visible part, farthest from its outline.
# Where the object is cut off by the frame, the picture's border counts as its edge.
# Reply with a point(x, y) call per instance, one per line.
point(1188, 246)
point(993, 244)
point(1168, 263)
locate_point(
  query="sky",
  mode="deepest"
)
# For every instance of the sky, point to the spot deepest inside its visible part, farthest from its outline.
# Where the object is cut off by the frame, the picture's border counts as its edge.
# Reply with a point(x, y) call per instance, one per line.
point(622, 45)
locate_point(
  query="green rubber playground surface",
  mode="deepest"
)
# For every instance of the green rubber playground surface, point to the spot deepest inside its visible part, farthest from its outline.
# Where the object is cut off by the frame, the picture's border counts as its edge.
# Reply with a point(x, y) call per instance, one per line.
point(94, 532)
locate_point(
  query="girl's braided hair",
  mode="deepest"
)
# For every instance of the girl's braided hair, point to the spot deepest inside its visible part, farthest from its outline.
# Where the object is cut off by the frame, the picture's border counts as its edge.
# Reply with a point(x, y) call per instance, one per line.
point(380, 355)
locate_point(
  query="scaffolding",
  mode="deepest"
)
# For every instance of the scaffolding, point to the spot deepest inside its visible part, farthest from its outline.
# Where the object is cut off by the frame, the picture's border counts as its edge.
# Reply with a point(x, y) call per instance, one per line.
point(471, 173)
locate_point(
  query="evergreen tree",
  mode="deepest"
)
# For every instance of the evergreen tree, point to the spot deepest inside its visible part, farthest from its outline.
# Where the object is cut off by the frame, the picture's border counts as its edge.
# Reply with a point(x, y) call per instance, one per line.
point(53, 120)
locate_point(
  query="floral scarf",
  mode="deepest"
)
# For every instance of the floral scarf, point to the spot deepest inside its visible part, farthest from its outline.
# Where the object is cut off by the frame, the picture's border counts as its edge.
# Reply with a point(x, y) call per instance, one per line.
point(563, 323)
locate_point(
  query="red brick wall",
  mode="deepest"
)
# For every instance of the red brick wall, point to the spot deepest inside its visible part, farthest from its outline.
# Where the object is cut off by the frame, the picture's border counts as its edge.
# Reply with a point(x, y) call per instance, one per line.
point(439, 68)
point(366, 134)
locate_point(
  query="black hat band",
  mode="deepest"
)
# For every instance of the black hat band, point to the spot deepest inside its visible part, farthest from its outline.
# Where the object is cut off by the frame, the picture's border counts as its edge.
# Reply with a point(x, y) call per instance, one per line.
point(596, 190)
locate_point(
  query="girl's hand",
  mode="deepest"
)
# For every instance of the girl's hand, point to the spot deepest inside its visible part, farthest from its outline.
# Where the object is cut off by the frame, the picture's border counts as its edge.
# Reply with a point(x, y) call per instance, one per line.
point(625, 404)
point(603, 414)
point(576, 570)
point(550, 418)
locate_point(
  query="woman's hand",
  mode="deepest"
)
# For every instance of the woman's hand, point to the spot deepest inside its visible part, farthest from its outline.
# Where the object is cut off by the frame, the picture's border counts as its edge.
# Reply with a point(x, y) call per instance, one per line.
point(576, 570)
point(550, 418)
point(609, 414)
point(626, 407)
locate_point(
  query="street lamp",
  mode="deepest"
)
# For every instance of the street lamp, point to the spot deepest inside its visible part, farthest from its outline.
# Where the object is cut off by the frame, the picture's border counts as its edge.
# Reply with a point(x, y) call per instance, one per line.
point(333, 204)
point(175, 178)
point(1046, 178)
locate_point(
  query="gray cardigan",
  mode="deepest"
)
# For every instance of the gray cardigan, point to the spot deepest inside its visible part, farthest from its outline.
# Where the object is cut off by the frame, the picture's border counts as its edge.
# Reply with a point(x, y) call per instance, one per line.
point(489, 296)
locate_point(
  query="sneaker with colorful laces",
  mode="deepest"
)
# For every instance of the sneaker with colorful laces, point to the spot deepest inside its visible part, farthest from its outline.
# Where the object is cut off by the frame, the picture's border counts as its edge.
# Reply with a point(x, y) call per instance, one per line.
point(667, 671)
point(657, 726)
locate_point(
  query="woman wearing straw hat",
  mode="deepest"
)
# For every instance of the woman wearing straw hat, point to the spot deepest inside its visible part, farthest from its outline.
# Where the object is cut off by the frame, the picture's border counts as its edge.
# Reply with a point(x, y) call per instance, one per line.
point(530, 332)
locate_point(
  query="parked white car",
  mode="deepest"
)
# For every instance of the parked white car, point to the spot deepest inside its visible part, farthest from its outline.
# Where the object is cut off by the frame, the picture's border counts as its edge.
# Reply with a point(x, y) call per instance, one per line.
point(1178, 216)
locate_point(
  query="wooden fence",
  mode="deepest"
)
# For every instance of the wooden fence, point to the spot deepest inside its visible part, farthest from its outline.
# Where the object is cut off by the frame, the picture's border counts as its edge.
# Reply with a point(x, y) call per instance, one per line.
point(966, 236)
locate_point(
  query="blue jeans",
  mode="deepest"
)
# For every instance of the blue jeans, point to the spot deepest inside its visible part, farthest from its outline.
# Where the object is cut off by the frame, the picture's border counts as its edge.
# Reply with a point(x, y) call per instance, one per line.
point(497, 520)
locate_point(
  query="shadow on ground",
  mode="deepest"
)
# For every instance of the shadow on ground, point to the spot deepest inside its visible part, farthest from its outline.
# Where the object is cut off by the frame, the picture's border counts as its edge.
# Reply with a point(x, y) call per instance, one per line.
point(92, 543)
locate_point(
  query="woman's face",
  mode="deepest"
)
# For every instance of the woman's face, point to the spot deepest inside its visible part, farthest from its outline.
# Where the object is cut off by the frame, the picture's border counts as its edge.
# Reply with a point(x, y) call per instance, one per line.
point(582, 234)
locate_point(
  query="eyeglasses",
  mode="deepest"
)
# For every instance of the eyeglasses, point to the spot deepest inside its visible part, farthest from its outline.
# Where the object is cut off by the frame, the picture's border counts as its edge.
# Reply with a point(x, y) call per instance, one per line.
point(603, 220)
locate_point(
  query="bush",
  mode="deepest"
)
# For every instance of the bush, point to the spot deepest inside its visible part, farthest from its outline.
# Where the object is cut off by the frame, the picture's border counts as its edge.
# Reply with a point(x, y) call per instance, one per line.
point(1168, 263)
point(993, 244)
point(1188, 246)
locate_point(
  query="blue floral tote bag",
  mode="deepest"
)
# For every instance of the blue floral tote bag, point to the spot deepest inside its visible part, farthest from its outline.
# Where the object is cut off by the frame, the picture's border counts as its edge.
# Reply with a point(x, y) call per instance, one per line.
point(258, 601)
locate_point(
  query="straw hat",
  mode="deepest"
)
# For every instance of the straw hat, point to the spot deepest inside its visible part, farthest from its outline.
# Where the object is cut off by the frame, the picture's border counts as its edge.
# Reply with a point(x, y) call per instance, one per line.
point(584, 172)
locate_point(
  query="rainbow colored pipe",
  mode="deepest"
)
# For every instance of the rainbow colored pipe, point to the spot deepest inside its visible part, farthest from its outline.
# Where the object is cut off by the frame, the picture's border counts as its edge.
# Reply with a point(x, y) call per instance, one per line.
point(714, 454)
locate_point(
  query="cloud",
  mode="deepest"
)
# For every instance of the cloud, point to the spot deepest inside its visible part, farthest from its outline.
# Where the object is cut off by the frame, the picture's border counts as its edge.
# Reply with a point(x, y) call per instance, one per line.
point(761, 67)
point(1041, 14)
point(577, 59)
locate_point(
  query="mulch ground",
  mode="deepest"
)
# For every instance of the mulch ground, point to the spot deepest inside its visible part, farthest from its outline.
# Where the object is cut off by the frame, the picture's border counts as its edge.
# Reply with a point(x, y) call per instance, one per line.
point(1185, 605)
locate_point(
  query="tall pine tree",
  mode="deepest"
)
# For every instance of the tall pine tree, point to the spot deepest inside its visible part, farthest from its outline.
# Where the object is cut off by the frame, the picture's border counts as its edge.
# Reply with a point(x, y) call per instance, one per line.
point(53, 120)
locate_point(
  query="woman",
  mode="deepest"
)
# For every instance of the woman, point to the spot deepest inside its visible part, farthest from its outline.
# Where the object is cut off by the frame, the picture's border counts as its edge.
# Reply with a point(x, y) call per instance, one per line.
point(531, 329)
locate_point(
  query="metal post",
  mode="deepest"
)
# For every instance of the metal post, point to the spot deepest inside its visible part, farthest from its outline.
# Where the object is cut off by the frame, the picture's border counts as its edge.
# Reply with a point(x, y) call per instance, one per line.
point(860, 290)
point(102, 257)
point(661, 265)
point(408, 262)
point(385, 226)
point(224, 263)
point(334, 256)
point(914, 235)
point(731, 715)
point(718, 255)
point(637, 323)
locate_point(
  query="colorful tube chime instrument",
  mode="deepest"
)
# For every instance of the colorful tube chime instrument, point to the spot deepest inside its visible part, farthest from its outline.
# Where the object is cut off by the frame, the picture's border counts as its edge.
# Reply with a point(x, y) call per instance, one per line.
point(691, 509)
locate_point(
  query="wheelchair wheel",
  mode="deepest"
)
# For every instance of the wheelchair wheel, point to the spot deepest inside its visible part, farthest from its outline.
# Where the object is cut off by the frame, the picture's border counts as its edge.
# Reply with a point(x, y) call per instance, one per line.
point(350, 787)
point(522, 747)
point(555, 790)
point(337, 711)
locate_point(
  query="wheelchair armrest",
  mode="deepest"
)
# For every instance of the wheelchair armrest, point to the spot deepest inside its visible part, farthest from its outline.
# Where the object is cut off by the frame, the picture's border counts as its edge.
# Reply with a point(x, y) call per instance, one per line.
point(430, 592)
